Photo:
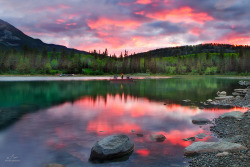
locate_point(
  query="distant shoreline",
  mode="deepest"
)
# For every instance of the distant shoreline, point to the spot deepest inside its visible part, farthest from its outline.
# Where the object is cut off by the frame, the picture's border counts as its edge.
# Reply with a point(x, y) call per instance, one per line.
point(70, 78)
point(106, 77)
point(132, 75)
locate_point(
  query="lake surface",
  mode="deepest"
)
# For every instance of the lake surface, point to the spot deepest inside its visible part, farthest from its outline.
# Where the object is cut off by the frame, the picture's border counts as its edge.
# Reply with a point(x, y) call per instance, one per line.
point(45, 121)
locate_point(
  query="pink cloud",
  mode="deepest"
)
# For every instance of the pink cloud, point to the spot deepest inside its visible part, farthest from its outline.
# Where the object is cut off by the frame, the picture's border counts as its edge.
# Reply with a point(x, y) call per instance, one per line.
point(60, 21)
point(235, 38)
point(108, 23)
point(71, 24)
point(183, 14)
point(196, 31)
point(143, 1)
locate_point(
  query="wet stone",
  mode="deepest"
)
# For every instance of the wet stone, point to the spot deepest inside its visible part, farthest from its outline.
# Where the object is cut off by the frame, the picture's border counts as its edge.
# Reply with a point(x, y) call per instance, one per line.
point(201, 121)
point(111, 147)
point(157, 137)
point(139, 135)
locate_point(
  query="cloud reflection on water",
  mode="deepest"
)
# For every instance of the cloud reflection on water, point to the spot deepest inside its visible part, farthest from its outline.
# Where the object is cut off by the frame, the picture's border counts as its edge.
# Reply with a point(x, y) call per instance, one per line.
point(73, 127)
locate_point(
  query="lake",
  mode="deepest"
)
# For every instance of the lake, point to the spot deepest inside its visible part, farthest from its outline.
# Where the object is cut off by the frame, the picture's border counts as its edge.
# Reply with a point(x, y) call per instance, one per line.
point(57, 120)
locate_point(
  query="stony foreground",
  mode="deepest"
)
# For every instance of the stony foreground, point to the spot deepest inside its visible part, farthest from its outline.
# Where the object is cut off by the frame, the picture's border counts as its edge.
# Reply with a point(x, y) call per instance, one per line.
point(240, 97)
point(229, 128)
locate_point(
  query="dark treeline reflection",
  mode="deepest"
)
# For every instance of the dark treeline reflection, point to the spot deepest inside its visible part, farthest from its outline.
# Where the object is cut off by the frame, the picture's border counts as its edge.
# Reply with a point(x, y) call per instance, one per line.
point(18, 98)
point(45, 94)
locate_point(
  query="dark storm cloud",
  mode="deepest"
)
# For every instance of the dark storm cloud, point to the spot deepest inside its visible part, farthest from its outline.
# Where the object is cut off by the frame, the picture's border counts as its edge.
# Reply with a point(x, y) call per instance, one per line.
point(168, 27)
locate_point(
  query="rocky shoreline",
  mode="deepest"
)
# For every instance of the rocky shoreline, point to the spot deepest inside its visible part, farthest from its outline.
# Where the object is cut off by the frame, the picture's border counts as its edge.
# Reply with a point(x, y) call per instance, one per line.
point(232, 130)
point(239, 98)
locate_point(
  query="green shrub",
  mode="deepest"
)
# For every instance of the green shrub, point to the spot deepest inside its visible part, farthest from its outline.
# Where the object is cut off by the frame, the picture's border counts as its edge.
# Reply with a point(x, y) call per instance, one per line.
point(53, 72)
point(170, 70)
point(210, 70)
point(87, 71)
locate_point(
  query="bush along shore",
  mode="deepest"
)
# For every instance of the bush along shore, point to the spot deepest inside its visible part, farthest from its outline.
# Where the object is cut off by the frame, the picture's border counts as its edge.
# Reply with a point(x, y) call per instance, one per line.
point(232, 130)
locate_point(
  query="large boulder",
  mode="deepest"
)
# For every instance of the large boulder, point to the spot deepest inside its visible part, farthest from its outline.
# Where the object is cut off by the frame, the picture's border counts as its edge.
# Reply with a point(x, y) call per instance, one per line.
point(233, 114)
point(112, 147)
point(206, 147)
point(201, 121)
point(157, 137)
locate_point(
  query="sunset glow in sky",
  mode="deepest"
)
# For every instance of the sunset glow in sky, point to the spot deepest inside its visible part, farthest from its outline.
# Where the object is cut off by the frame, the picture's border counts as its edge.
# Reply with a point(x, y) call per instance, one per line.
point(134, 25)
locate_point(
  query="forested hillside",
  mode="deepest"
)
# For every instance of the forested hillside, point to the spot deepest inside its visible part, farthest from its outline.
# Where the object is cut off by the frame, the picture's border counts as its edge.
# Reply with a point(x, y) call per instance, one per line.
point(21, 54)
point(206, 59)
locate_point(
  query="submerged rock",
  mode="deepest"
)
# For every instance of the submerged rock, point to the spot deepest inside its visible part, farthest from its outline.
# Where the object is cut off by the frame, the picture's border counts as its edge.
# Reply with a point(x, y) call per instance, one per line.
point(189, 139)
point(55, 165)
point(206, 147)
point(233, 114)
point(201, 107)
point(139, 134)
point(157, 137)
point(201, 121)
point(112, 147)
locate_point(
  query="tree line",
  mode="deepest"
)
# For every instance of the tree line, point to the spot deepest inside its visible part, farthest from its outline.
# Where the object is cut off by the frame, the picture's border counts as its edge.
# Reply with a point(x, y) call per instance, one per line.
point(200, 59)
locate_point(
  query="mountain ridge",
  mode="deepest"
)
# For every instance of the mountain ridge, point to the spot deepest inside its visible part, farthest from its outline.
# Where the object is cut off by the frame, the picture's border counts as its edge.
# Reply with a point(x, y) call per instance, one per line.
point(11, 37)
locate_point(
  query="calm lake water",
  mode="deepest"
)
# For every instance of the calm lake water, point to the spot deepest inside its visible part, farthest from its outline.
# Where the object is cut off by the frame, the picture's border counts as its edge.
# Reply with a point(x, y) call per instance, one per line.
point(44, 121)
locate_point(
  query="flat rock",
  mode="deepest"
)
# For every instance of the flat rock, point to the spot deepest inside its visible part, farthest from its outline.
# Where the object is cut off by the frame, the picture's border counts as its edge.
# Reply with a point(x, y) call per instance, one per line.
point(201, 121)
point(157, 137)
point(209, 100)
point(189, 139)
point(201, 136)
point(55, 165)
point(206, 147)
point(233, 114)
point(187, 100)
point(246, 83)
point(240, 90)
point(112, 147)
point(223, 97)
point(235, 94)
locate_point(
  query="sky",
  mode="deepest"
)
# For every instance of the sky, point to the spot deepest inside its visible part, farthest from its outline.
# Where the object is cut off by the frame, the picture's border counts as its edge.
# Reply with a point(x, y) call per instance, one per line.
point(134, 25)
